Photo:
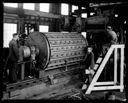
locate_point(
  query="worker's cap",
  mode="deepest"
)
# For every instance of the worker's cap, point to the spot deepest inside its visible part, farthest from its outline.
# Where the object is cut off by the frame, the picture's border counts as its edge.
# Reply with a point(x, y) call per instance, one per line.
point(15, 34)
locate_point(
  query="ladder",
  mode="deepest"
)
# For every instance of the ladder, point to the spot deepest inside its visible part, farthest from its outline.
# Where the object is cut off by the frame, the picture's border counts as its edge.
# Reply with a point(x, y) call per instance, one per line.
point(99, 66)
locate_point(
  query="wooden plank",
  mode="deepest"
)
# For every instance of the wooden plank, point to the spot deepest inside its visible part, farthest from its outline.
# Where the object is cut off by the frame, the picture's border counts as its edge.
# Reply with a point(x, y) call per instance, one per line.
point(118, 46)
point(96, 66)
point(122, 69)
point(115, 66)
point(104, 83)
point(99, 60)
point(107, 88)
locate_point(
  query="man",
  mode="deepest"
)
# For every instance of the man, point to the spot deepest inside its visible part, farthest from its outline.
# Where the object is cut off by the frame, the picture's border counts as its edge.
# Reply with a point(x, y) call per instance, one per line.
point(112, 35)
point(111, 38)
point(78, 24)
point(89, 63)
point(13, 58)
point(89, 69)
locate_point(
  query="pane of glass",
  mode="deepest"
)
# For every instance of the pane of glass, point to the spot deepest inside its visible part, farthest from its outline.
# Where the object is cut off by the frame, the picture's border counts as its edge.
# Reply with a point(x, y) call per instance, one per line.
point(43, 28)
point(9, 29)
point(64, 9)
point(44, 7)
point(84, 15)
point(74, 8)
point(14, 5)
point(29, 6)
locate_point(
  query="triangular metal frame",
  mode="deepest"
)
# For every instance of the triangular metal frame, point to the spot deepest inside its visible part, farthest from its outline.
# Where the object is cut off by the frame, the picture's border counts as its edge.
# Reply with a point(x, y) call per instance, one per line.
point(112, 85)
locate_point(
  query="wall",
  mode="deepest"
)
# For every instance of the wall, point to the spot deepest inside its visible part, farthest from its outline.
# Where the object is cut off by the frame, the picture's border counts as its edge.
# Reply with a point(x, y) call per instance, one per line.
point(14, 15)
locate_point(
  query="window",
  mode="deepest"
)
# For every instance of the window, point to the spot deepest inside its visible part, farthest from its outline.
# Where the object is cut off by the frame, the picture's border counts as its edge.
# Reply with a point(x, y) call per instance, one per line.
point(43, 28)
point(74, 8)
point(14, 5)
point(64, 9)
point(44, 7)
point(29, 6)
point(9, 29)
point(84, 15)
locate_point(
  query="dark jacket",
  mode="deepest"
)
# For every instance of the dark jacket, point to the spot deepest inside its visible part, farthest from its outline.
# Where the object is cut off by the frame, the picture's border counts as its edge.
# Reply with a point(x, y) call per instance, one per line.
point(89, 60)
point(13, 51)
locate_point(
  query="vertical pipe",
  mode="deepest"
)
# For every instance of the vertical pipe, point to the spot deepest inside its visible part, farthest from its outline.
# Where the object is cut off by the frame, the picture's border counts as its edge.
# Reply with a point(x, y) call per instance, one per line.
point(115, 66)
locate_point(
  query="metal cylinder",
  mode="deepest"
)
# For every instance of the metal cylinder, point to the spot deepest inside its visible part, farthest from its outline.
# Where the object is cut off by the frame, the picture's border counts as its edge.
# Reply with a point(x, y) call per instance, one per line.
point(57, 49)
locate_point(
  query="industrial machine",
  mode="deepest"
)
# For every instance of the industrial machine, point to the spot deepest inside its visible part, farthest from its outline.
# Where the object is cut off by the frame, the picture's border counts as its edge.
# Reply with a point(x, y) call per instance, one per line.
point(51, 55)
point(56, 49)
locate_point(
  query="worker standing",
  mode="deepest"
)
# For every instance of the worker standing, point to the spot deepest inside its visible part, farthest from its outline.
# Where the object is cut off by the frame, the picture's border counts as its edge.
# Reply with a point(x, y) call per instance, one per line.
point(78, 24)
point(111, 38)
point(112, 35)
point(89, 65)
point(13, 58)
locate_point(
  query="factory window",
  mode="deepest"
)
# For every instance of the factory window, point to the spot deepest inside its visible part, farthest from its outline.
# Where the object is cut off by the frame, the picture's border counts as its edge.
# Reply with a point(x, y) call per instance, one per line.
point(29, 6)
point(14, 5)
point(9, 29)
point(44, 7)
point(43, 28)
point(74, 8)
point(64, 9)
point(84, 15)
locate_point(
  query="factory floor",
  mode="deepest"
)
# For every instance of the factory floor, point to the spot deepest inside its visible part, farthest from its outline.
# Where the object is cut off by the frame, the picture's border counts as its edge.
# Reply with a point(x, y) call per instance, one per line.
point(66, 91)
point(67, 87)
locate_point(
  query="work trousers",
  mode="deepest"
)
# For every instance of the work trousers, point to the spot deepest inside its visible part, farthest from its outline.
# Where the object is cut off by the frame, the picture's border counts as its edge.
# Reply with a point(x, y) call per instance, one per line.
point(13, 71)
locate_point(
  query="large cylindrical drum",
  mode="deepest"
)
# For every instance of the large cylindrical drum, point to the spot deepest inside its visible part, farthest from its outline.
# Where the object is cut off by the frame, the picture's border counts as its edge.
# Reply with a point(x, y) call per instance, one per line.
point(58, 49)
